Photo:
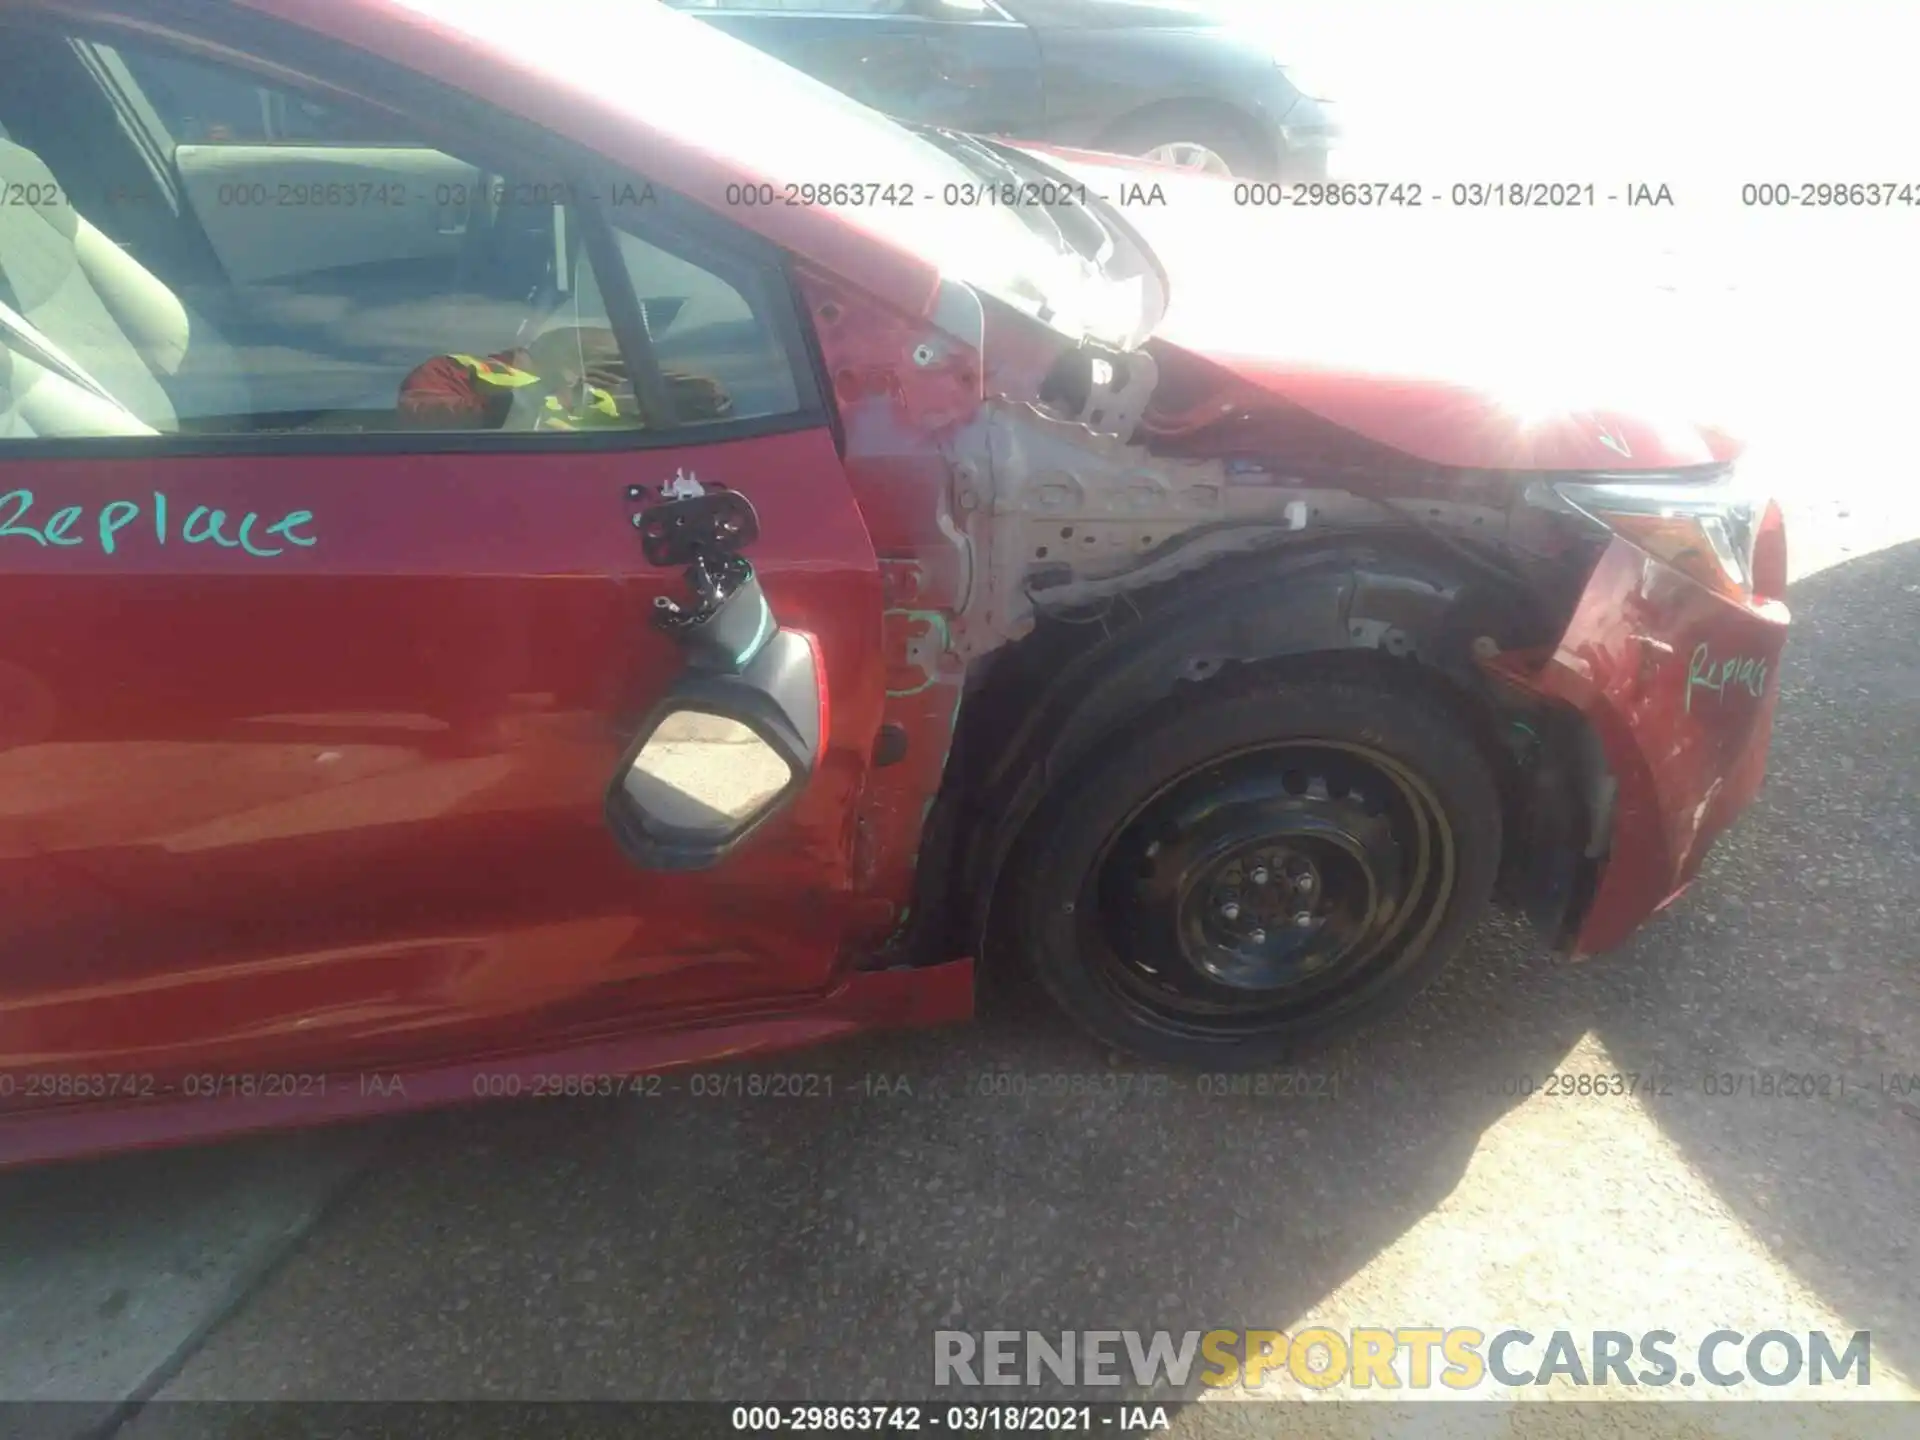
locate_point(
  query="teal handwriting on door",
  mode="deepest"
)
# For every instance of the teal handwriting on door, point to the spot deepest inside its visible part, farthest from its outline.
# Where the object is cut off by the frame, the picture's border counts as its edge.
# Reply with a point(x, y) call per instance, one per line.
point(204, 525)
point(1727, 672)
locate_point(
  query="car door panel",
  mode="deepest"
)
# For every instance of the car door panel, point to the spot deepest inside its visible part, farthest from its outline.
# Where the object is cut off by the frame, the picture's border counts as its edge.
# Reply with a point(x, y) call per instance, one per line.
point(986, 75)
point(347, 799)
point(882, 62)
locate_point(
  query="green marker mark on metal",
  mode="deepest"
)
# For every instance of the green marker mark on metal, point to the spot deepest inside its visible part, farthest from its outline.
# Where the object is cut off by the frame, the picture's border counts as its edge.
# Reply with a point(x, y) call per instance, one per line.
point(937, 622)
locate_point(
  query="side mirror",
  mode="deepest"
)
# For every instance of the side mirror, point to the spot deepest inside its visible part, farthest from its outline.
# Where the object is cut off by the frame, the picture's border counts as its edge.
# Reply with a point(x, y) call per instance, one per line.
point(736, 738)
point(721, 755)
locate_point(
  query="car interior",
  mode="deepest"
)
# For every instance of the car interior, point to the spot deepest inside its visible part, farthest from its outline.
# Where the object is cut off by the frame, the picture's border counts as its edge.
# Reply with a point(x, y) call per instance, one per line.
point(184, 249)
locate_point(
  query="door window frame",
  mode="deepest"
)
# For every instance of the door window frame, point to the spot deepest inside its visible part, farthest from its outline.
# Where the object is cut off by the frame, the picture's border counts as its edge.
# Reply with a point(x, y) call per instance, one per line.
point(506, 143)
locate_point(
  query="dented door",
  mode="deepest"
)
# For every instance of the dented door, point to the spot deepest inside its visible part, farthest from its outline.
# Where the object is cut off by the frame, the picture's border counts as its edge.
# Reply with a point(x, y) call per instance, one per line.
point(347, 798)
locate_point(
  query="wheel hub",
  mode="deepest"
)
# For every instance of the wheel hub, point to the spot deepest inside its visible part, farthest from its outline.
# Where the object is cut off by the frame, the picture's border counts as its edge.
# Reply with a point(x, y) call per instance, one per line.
point(1262, 889)
point(1190, 155)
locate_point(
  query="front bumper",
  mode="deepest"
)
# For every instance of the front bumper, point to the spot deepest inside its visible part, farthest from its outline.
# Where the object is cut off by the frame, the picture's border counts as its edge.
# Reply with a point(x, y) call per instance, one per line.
point(1678, 685)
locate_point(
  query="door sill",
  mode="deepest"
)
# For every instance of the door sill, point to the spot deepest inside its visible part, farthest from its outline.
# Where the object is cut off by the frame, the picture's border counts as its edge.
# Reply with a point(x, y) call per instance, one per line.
point(866, 1000)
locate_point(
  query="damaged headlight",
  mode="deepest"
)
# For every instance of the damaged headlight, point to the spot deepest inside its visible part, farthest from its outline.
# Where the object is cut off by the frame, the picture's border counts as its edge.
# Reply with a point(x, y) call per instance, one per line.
point(1725, 534)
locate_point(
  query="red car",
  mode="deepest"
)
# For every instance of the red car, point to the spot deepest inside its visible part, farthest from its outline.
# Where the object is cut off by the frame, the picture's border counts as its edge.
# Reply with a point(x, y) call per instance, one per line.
point(541, 545)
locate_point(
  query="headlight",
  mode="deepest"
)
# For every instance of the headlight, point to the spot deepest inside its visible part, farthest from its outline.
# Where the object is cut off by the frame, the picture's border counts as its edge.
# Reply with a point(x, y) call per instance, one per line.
point(1725, 535)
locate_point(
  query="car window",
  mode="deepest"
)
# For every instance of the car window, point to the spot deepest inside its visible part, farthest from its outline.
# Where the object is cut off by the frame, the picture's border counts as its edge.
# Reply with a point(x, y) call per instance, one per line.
point(708, 92)
point(701, 324)
point(296, 267)
point(204, 104)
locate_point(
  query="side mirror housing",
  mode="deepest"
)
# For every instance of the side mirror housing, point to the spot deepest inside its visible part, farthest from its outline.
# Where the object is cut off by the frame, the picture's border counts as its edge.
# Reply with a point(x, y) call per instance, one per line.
point(724, 752)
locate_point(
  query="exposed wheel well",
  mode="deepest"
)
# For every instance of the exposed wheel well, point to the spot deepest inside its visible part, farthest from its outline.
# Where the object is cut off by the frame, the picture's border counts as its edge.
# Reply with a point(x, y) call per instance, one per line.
point(1473, 713)
point(1007, 752)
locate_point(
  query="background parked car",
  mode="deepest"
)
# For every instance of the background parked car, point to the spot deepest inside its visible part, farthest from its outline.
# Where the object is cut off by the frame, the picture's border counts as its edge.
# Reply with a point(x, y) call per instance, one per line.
point(1176, 83)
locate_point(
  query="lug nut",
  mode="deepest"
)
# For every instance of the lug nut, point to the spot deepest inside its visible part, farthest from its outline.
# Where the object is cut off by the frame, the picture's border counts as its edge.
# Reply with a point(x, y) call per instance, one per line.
point(1230, 911)
point(1259, 875)
point(1303, 918)
point(1258, 937)
point(1303, 884)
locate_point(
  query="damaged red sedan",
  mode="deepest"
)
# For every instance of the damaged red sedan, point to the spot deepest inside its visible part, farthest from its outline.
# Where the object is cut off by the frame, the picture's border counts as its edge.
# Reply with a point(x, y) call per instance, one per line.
point(572, 549)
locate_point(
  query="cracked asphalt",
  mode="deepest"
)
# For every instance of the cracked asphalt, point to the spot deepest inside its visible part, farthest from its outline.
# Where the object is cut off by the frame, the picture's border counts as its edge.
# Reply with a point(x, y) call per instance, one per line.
point(733, 1248)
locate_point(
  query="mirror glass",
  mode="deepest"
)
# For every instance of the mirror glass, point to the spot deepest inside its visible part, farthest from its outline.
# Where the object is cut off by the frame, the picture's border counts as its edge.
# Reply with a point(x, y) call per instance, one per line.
point(705, 773)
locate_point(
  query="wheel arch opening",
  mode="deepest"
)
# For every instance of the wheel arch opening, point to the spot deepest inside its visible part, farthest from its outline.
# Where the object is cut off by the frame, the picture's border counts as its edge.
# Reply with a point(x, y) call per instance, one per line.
point(1393, 606)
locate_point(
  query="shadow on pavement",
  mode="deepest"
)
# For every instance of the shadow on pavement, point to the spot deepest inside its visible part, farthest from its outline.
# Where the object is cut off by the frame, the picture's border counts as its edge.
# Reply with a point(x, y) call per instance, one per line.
point(1796, 954)
point(724, 1246)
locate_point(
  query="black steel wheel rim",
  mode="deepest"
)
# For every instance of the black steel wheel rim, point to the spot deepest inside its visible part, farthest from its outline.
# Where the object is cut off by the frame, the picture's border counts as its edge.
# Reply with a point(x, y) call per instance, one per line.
point(1268, 886)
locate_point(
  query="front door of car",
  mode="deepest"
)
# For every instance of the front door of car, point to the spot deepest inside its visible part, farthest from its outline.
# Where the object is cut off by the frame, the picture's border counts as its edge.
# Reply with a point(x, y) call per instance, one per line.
point(958, 63)
point(308, 715)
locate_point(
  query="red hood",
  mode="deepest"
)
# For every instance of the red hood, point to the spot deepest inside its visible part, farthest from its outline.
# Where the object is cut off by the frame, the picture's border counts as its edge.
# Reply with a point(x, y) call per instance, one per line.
point(1495, 339)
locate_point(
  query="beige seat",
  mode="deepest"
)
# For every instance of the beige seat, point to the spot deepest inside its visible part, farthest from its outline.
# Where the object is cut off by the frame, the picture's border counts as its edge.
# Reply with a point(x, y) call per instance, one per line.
point(106, 313)
point(38, 400)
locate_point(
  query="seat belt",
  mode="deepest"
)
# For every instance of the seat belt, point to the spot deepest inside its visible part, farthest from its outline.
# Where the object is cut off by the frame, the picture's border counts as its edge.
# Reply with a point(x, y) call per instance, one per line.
point(23, 338)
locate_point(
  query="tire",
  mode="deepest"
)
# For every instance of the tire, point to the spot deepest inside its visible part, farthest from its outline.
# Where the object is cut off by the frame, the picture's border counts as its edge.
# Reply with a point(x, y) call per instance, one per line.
point(1193, 125)
point(1364, 804)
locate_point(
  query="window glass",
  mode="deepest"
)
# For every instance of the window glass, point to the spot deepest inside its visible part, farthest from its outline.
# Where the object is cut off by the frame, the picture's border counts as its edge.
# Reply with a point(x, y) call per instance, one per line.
point(914, 191)
point(203, 104)
point(300, 268)
point(701, 326)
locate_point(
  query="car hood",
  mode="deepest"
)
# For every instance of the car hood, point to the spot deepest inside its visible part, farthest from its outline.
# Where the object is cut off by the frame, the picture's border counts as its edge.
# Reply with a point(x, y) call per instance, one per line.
point(1495, 340)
